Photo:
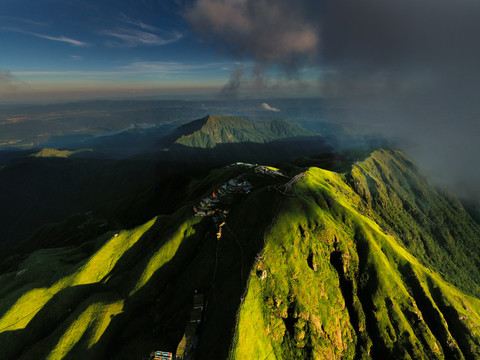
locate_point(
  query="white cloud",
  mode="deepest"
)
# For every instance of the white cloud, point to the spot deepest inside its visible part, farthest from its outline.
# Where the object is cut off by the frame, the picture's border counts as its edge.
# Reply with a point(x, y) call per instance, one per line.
point(267, 107)
point(48, 37)
point(62, 39)
point(132, 37)
point(138, 23)
point(139, 34)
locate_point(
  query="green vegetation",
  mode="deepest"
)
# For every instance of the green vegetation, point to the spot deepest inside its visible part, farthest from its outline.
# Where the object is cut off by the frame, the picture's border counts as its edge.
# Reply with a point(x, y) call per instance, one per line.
point(369, 263)
point(47, 153)
point(228, 129)
point(166, 252)
point(94, 270)
point(338, 286)
point(95, 318)
point(430, 224)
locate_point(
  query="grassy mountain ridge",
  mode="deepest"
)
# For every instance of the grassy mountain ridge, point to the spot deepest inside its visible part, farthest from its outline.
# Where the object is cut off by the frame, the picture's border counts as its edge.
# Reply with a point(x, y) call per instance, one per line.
point(213, 130)
point(308, 268)
point(430, 223)
point(338, 286)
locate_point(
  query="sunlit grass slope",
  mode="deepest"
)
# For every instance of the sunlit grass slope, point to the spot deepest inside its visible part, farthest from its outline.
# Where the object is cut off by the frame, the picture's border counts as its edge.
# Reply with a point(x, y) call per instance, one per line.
point(431, 224)
point(47, 152)
point(338, 286)
point(45, 275)
point(66, 303)
point(94, 319)
point(94, 270)
point(166, 252)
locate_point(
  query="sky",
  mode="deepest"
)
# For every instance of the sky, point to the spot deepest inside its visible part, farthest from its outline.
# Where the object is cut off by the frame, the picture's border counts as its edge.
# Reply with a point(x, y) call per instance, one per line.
point(408, 68)
point(53, 49)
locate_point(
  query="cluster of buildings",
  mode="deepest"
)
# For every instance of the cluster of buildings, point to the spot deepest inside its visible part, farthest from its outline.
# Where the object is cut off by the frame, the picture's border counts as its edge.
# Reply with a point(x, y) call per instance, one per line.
point(217, 205)
point(161, 355)
point(211, 204)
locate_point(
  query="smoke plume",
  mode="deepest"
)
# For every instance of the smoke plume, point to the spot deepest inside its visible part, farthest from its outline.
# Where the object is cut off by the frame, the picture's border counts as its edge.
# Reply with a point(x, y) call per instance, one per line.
point(231, 89)
point(8, 82)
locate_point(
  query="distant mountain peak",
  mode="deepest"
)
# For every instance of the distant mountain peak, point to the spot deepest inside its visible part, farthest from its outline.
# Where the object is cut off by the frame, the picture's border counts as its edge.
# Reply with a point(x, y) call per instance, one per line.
point(212, 130)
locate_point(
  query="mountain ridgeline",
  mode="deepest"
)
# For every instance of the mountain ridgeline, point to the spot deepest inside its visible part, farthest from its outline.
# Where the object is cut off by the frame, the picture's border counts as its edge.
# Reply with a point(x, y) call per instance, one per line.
point(213, 130)
point(337, 260)
point(57, 184)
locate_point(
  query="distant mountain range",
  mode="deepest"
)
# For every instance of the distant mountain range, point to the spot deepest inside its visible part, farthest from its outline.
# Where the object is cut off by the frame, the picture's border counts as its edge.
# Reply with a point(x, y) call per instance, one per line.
point(59, 183)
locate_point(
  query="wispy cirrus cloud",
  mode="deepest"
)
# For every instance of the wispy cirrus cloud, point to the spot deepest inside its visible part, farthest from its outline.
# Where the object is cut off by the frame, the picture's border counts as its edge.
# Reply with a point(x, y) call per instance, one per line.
point(125, 37)
point(48, 37)
point(139, 34)
point(139, 23)
point(61, 39)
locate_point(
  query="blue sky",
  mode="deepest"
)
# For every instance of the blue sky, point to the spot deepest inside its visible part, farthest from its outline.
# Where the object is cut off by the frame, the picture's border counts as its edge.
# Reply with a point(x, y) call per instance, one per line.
point(105, 47)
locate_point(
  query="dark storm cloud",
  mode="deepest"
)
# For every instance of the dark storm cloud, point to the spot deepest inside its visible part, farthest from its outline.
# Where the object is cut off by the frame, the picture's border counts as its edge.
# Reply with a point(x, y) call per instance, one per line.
point(409, 67)
point(270, 32)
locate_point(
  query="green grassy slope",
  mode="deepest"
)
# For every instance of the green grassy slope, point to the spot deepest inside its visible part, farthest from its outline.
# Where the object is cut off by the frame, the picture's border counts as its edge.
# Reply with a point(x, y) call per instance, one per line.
point(308, 269)
point(128, 294)
point(228, 129)
point(47, 152)
point(431, 224)
point(338, 286)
